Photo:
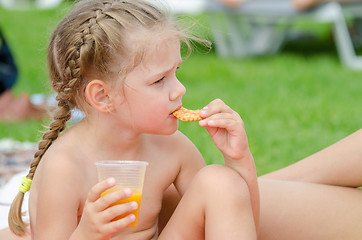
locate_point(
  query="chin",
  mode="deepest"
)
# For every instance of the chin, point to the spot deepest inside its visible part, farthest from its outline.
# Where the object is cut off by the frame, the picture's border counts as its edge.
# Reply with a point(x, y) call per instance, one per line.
point(170, 132)
point(166, 130)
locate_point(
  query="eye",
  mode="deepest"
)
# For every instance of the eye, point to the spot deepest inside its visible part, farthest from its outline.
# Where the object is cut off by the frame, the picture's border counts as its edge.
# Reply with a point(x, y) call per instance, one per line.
point(159, 81)
point(177, 68)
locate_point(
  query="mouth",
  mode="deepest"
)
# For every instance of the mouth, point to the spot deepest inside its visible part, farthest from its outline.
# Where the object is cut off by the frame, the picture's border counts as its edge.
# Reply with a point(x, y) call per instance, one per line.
point(171, 114)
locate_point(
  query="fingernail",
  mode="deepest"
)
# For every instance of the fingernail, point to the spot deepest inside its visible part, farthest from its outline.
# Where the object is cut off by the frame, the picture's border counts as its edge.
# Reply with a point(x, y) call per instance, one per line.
point(127, 191)
point(111, 180)
point(134, 205)
point(206, 107)
point(202, 122)
point(132, 217)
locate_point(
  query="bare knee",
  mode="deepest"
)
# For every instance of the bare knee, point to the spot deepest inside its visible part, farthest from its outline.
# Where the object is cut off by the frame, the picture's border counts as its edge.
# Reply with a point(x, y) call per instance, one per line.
point(222, 183)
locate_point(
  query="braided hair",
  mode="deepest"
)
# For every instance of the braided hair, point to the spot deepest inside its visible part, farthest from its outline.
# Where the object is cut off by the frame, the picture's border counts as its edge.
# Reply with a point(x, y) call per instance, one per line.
point(83, 46)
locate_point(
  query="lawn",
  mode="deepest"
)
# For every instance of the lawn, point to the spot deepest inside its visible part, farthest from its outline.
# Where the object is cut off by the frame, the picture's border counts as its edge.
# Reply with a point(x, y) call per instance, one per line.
point(293, 104)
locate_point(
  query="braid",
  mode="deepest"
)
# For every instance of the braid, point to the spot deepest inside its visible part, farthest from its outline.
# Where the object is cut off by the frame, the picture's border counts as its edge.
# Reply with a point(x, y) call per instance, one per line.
point(61, 116)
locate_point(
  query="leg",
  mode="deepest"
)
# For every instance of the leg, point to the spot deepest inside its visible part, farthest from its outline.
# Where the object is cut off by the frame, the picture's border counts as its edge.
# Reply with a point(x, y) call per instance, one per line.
point(5, 99)
point(216, 206)
point(18, 108)
point(301, 210)
point(339, 164)
point(305, 4)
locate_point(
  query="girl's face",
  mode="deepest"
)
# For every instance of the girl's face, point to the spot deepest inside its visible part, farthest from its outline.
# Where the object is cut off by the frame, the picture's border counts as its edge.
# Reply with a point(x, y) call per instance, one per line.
point(151, 92)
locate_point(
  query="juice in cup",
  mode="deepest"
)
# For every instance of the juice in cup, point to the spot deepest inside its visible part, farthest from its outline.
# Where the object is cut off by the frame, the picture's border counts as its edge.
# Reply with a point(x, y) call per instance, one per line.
point(128, 174)
point(136, 197)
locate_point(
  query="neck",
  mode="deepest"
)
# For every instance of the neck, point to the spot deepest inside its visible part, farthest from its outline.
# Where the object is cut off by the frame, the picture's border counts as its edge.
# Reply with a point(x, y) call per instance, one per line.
point(111, 141)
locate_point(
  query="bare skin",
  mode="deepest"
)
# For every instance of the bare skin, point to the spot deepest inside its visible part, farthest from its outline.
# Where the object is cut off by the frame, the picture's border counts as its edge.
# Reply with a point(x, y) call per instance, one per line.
point(315, 198)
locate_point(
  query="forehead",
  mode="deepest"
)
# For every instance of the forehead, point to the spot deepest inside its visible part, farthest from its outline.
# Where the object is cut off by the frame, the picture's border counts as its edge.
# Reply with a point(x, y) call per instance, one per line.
point(159, 58)
point(162, 55)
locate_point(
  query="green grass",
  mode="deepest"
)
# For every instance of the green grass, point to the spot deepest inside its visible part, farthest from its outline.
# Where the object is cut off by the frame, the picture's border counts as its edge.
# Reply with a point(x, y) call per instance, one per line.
point(293, 104)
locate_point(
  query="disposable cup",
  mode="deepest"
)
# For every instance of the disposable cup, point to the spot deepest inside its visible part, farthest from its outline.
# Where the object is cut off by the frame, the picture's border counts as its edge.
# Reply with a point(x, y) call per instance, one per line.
point(128, 174)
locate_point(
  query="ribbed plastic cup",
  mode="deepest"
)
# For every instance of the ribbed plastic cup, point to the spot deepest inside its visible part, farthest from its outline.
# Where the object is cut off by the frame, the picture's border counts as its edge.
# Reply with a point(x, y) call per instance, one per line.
point(128, 174)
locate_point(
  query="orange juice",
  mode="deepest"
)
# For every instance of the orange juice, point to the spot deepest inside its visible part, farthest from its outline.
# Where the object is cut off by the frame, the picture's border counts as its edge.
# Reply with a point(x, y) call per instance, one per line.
point(135, 197)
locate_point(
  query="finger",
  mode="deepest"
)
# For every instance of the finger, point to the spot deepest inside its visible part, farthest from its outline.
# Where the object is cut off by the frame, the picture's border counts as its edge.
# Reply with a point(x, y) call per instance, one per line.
point(229, 124)
point(227, 116)
point(216, 106)
point(100, 187)
point(119, 209)
point(106, 200)
point(120, 224)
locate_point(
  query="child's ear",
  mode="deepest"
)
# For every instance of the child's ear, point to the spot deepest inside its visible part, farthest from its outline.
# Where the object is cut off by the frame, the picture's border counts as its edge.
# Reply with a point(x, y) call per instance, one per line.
point(97, 93)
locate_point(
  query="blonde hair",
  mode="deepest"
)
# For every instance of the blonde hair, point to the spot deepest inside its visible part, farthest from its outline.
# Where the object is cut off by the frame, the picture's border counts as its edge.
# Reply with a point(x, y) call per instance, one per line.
point(84, 45)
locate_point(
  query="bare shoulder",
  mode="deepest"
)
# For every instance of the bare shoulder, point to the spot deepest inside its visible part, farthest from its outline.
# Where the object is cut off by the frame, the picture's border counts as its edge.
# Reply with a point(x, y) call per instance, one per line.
point(58, 169)
point(62, 166)
point(59, 161)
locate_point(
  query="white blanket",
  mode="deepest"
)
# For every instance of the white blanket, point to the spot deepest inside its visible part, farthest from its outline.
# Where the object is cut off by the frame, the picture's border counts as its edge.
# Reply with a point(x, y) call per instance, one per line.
point(7, 194)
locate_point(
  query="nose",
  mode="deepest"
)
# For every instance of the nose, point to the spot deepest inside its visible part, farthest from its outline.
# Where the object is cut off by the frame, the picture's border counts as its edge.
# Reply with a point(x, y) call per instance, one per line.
point(178, 90)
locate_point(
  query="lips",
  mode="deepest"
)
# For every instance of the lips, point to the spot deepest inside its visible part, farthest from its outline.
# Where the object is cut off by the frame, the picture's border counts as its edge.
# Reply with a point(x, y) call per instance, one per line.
point(171, 114)
point(176, 109)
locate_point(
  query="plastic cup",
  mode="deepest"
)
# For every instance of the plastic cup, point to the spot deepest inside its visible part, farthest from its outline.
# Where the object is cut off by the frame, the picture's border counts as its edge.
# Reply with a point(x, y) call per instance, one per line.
point(128, 174)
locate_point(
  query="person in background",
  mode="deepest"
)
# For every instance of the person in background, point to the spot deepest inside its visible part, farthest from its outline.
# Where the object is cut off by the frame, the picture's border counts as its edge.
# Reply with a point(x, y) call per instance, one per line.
point(299, 5)
point(13, 108)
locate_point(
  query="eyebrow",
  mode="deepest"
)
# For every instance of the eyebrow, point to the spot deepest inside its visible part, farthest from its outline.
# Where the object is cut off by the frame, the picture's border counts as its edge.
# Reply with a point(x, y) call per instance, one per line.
point(168, 70)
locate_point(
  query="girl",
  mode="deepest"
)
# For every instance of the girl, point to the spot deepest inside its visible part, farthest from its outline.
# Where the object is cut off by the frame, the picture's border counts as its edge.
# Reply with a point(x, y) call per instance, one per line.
point(117, 61)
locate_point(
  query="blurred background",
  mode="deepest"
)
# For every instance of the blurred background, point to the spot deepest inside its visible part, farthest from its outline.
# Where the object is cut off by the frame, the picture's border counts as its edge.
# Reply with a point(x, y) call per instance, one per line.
point(294, 100)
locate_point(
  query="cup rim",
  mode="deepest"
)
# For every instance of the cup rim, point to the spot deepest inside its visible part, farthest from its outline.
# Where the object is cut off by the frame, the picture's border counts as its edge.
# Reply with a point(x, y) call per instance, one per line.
point(118, 162)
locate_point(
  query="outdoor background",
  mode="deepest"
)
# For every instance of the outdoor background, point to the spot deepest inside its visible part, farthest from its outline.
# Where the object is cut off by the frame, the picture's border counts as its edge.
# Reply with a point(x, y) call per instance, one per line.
point(293, 104)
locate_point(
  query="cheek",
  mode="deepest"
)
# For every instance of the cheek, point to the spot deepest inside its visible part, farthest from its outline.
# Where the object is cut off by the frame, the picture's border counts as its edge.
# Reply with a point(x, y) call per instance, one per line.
point(154, 119)
point(153, 113)
point(152, 107)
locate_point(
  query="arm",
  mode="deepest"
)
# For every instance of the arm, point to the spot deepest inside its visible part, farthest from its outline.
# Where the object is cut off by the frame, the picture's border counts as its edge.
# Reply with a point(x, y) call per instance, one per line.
point(59, 187)
point(190, 161)
point(55, 213)
point(226, 129)
point(339, 164)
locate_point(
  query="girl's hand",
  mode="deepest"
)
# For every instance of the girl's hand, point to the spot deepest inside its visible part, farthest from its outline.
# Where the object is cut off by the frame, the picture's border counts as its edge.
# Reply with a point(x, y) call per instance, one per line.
point(97, 215)
point(226, 129)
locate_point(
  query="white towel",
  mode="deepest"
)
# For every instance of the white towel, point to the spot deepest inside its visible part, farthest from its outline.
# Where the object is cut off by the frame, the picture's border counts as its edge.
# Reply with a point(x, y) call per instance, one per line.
point(7, 194)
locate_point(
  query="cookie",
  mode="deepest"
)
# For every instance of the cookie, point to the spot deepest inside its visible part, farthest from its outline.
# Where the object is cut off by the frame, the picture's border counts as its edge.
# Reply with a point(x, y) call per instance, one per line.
point(187, 115)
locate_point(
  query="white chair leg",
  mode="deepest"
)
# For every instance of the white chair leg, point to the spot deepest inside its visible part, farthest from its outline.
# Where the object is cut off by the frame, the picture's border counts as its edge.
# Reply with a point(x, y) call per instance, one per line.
point(343, 40)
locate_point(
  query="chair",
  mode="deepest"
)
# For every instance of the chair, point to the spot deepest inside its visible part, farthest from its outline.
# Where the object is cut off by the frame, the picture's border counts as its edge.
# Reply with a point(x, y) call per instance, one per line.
point(182, 7)
point(260, 27)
